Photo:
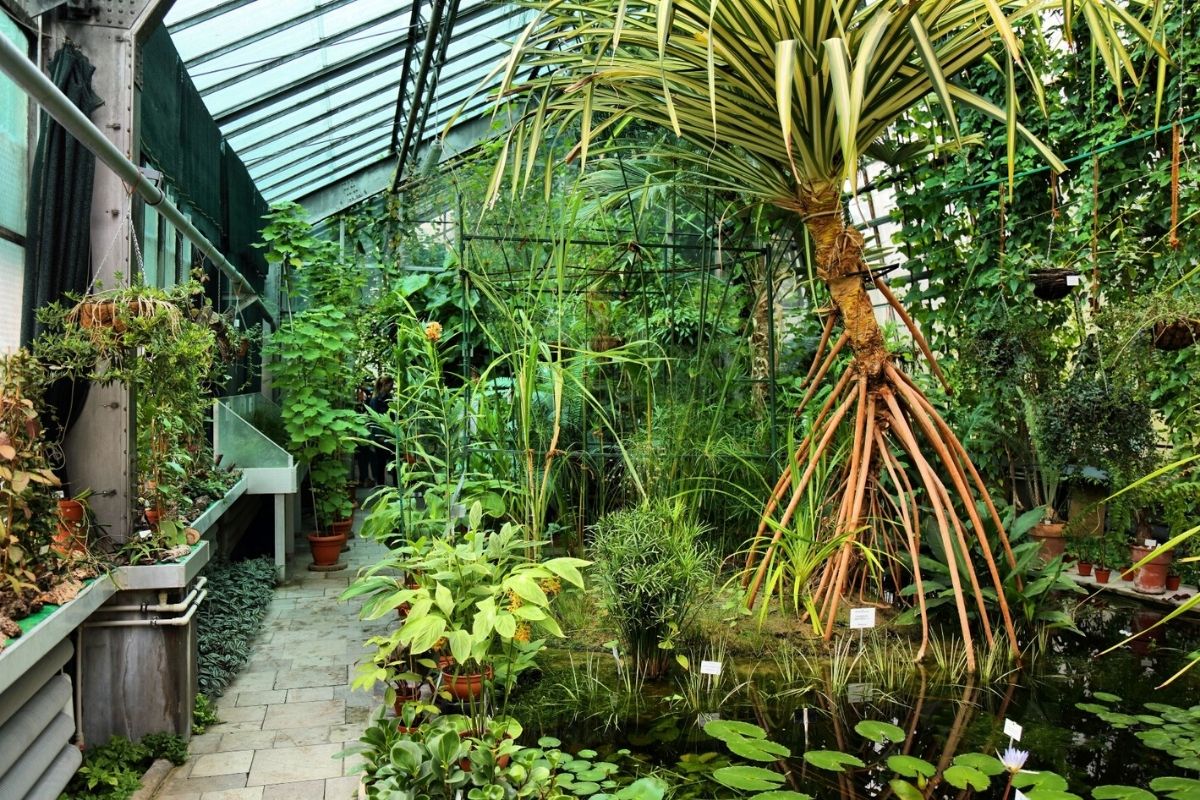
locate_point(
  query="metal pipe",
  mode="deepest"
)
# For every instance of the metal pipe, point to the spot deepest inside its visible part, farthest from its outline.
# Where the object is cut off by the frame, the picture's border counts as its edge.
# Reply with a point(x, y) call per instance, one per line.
point(435, 21)
point(155, 622)
point(26, 74)
point(162, 608)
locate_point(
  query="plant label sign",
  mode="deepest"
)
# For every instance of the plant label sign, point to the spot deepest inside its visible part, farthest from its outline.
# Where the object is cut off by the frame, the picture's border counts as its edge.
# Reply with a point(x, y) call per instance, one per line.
point(1151, 544)
point(1012, 730)
point(1074, 280)
point(862, 618)
point(710, 667)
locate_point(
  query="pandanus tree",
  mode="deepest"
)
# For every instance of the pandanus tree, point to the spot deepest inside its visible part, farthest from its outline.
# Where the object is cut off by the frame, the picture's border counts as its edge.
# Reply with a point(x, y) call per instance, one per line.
point(776, 101)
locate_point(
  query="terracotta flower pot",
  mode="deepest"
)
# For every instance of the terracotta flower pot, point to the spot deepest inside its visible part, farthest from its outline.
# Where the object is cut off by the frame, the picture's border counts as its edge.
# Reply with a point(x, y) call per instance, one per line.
point(153, 515)
point(325, 549)
point(1151, 577)
point(1172, 583)
point(1103, 574)
point(69, 537)
point(1050, 539)
point(1085, 568)
point(466, 686)
point(341, 527)
point(1129, 574)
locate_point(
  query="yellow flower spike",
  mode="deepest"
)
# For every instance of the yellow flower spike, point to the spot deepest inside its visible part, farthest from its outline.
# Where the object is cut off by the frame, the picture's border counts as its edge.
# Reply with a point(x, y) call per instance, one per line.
point(433, 331)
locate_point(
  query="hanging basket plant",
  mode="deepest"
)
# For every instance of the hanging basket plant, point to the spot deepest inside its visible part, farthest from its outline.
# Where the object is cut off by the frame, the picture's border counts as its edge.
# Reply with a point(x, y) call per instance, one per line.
point(1053, 283)
point(1176, 334)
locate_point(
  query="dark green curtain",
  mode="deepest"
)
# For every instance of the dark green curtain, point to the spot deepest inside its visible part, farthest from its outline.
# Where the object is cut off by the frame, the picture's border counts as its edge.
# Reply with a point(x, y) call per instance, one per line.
point(58, 246)
point(58, 236)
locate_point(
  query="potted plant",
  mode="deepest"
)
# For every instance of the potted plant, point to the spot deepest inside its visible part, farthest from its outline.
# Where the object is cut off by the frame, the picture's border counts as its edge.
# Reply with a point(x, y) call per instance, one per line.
point(480, 599)
point(1084, 545)
point(311, 366)
point(145, 338)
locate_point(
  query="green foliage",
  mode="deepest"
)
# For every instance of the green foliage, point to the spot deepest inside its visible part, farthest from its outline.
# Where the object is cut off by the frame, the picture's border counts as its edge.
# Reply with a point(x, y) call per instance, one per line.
point(238, 596)
point(477, 599)
point(652, 573)
point(114, 770)
point(159, 343)
point(204, 713)
point(26, 480)
point(1170, 729)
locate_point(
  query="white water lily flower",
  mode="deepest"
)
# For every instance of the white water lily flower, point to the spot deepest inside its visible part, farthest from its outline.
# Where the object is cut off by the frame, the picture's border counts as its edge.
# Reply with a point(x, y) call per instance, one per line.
point(1013, 759)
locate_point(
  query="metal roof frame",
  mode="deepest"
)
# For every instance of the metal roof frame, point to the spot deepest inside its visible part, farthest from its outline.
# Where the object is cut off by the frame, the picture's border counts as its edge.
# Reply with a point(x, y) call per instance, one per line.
point(305, 126)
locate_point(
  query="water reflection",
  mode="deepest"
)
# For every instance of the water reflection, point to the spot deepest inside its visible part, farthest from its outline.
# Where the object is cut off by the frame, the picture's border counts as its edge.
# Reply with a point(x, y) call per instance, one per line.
point(818, 709)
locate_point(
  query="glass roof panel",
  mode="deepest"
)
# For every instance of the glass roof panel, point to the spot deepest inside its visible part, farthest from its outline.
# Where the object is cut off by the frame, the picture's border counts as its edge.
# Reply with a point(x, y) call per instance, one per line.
point(306, 90)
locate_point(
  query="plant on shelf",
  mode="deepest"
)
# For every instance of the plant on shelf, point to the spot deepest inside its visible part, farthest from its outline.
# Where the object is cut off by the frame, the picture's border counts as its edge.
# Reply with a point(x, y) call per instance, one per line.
point(653, 575)
point(149, 340)
point(27, 493)
point(478, 605)
point(310, 365)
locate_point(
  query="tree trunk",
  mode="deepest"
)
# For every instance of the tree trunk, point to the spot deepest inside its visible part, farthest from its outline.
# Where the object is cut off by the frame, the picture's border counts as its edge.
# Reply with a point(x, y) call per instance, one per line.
point(761, 320)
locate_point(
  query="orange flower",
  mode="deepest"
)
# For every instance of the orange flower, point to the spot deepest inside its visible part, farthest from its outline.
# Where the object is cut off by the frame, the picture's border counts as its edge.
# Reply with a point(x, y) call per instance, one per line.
point(433, 331)
point(523, 633)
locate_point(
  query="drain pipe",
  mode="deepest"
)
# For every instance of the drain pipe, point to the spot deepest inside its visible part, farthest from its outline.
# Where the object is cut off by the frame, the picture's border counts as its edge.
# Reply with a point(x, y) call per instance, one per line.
point(155, 622)
point(27, 76)
point(162, 607)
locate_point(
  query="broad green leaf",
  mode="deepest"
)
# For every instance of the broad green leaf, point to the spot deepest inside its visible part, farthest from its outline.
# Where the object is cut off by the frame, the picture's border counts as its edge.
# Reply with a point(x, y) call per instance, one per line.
point(905, 790)
point(460, 645)
point(911, 766)
point(1107, 697)
point(1118, 792)
point(879, 732)
point(988, 765)
point(726, 729)
point(444, 600)
point(747, 779)
point(832, 760)
point(781, 794)
point(757, 749)
point(960, 777)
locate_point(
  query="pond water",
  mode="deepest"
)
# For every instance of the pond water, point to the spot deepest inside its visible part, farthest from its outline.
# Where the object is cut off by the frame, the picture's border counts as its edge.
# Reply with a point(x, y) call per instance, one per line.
point(664, 721)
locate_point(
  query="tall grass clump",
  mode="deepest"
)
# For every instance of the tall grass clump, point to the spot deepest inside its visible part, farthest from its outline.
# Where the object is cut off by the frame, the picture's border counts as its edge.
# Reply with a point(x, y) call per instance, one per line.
point(652, 574)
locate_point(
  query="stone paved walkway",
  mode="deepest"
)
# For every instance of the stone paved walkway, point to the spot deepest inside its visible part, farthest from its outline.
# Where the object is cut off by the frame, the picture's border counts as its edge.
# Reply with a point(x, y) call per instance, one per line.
point(291, 709)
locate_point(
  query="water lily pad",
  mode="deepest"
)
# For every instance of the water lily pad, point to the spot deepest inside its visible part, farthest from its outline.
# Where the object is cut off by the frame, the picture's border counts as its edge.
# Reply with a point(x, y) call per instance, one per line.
point(549, 741)
point(1092, 708)
point(832, 760)
point(585, 788)
point(1051, 794)
point(1190, 762)
point(590, 775)
point(1048, 781)
point(748, 779)
point(1149, 719)
point(578, 765)
point(879, 732)
point(643, 789)
point(725, 729)
point(757, 749)
point(781, 794)
point(961, 776)
point(1107, 697)
point(1118, 792)
point(988, 765)
point(910, 767)
point(905, 790)
point(1177, 788)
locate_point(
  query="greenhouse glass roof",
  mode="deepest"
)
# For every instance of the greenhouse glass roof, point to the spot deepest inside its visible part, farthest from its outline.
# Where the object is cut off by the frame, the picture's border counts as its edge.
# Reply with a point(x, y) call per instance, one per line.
point(322, 98)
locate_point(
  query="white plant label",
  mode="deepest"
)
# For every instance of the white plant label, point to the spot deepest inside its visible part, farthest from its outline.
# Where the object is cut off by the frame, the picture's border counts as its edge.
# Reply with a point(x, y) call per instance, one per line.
point(1151, 543)
point(1074, 280)
point(862, 618)
point(710, 667)
point(1012, 730)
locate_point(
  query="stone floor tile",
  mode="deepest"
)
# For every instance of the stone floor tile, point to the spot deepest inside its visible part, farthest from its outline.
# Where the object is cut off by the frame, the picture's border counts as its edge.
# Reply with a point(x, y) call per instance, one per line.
point(204, 743)
point(305, 715)
point(247, 793)
point(235, 761)
point(252, 681)
point(248, 740)
point(344, 788)
point(261, 697)
point(228, 712)
point(306, 678)
point(351, 764)
point(309, 694)
point(292, 764)
point(300, 790)
point(295, 737)
point(194, 787)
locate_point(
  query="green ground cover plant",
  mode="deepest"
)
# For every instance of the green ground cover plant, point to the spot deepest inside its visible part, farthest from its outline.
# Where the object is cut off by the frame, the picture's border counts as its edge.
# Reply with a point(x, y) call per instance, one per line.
point(239, 593)
point(114, 770)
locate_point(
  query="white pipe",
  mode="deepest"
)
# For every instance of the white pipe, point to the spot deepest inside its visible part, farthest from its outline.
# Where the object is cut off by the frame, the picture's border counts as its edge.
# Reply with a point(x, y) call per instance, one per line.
point(154, 622)
point(27, 75)
point(160, 607)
